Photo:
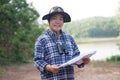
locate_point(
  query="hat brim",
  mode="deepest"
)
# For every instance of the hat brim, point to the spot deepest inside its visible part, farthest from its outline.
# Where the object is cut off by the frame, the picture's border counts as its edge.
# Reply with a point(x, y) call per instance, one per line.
point(65, 15)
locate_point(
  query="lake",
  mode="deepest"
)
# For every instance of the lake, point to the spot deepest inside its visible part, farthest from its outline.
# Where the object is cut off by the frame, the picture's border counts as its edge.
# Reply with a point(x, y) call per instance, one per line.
point(105, 49)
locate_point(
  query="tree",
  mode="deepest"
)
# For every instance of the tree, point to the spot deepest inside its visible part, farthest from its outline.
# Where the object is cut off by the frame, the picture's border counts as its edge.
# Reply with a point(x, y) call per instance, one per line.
point(118, 17)
point(18, 19)
point(93, 27)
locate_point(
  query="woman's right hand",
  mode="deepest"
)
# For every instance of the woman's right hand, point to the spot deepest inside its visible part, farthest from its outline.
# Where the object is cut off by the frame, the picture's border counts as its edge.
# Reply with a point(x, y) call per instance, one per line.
point(52, 68)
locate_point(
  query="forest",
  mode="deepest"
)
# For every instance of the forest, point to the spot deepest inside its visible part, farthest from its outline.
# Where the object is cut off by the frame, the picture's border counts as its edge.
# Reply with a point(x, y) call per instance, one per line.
point(94, 27)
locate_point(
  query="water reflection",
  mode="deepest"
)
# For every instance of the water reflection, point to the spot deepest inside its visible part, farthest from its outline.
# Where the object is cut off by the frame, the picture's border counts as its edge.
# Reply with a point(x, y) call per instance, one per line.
point(105, 49)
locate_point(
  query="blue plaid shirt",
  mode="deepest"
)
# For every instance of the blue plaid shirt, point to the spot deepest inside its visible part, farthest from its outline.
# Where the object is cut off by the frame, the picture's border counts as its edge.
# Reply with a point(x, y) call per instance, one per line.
point(46, 52)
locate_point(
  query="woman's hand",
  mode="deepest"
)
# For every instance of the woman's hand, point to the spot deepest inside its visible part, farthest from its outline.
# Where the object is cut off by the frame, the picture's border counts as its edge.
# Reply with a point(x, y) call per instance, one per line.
point(52, 68)
point(86, 60)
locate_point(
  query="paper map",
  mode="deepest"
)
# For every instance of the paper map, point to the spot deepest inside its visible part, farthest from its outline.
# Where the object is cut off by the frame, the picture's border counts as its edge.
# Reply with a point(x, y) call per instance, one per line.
point(78, 59)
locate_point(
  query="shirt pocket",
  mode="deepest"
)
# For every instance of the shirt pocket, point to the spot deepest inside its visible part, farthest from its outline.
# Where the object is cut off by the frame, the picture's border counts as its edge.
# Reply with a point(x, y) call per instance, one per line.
point(69, 47)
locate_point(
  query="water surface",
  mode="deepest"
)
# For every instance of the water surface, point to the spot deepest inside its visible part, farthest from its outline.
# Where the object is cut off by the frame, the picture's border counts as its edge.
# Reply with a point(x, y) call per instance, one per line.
point(105, 49)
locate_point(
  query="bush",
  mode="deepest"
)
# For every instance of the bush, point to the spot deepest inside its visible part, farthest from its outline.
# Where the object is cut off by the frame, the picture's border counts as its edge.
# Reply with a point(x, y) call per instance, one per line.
point(115, 58)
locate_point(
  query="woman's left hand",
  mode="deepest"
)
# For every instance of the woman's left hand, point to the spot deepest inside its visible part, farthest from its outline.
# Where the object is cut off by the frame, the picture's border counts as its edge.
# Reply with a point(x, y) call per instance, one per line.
point(86, 60)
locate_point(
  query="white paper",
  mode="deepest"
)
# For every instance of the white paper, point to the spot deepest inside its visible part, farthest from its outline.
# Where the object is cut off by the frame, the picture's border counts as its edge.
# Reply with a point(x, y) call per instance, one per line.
point(78, 59)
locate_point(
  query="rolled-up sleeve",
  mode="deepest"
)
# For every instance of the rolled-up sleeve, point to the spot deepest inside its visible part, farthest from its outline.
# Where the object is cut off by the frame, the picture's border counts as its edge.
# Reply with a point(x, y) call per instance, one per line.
point(39, 61)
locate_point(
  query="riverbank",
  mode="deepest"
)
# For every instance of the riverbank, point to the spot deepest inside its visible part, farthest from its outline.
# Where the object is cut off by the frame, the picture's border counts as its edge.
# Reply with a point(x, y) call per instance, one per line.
point(93, 40)
point(92, 71)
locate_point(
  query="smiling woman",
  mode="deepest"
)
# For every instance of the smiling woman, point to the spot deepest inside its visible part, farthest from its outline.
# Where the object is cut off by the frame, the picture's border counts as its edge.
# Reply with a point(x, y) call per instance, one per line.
point(81, 9)
point(56, 47)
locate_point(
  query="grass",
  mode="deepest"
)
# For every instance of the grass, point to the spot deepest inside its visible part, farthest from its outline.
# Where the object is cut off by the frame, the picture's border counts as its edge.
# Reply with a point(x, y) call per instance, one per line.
point(115, 59)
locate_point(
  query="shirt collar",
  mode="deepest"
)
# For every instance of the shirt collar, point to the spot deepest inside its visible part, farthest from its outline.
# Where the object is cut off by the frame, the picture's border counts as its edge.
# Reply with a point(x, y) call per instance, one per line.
point(52, 33)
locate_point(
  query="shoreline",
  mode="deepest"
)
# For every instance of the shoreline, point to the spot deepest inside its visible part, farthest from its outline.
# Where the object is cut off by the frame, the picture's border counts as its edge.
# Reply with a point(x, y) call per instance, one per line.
point(93, 40)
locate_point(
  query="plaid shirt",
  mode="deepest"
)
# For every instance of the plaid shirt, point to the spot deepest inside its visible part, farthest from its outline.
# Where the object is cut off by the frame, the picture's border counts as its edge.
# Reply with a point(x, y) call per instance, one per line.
point(46, 52)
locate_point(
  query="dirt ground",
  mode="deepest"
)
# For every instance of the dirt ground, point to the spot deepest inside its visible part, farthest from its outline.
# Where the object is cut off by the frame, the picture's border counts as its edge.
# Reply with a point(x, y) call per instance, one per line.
point(92, 71)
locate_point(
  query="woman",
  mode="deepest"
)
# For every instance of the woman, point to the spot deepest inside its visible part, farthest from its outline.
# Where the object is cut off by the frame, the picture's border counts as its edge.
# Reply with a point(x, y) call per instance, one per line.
point(55, 47)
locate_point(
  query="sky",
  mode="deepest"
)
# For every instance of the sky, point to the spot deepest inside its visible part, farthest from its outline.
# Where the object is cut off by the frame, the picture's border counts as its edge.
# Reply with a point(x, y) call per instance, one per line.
point(78, 9)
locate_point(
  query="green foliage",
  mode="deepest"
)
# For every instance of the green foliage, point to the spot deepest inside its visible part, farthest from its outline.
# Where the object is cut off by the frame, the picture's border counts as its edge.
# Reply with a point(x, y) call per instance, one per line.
point(115, 58)
point(94, 27)
point(18, 30)
point(105, 28)
point(118, 17)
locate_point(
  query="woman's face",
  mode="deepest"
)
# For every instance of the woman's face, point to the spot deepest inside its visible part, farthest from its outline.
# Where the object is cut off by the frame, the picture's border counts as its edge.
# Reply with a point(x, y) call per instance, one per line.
point(56, 22)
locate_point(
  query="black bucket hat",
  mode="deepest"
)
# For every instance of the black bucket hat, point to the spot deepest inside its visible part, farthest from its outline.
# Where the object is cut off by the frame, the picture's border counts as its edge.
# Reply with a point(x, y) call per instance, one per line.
point(57, 10)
